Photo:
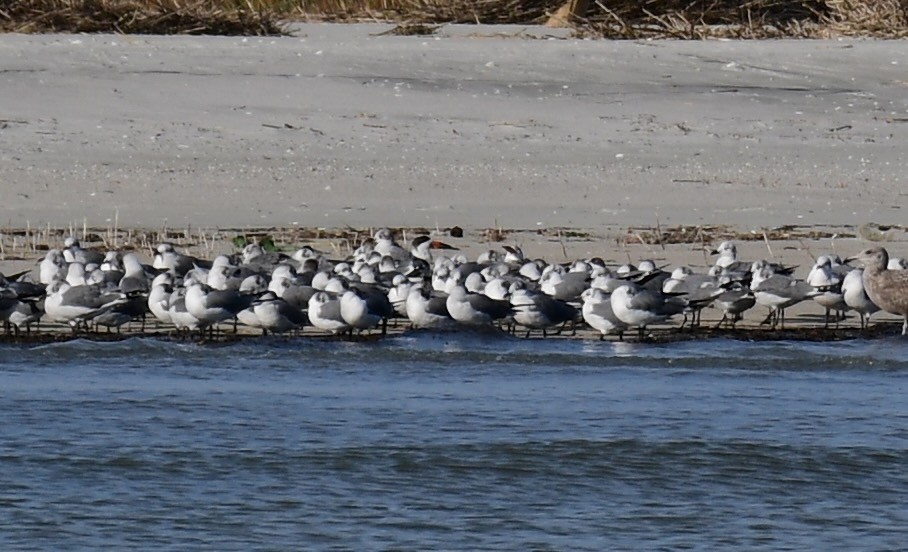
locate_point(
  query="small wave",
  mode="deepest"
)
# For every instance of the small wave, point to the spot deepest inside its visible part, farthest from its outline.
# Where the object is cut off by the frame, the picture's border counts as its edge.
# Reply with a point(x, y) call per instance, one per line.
point(433, 350)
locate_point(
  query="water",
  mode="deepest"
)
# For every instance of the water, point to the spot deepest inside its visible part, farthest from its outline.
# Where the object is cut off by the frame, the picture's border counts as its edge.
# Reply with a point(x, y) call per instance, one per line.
point(457, 442)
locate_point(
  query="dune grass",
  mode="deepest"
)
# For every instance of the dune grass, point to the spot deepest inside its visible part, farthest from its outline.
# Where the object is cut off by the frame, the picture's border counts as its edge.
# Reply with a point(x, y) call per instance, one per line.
point(618, 19)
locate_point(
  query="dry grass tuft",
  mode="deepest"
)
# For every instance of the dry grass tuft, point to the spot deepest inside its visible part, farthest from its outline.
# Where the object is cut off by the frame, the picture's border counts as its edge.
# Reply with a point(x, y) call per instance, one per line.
point(883, 18)
point(615, 19)
point(215, 17)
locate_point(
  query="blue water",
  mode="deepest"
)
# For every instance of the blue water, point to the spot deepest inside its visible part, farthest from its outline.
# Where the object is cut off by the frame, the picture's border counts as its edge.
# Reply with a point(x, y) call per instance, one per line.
point(456, 442)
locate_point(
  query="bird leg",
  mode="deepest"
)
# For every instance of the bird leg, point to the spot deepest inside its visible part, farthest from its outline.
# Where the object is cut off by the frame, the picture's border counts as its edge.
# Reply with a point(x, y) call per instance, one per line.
point(724, 318)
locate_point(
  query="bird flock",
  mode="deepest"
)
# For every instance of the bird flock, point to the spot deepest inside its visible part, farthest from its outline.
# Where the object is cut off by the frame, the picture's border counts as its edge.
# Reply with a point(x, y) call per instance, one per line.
point(428, 284)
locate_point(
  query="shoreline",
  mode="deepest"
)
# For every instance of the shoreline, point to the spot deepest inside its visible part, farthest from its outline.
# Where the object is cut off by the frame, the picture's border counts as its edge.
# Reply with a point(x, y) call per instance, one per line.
point(792, 246)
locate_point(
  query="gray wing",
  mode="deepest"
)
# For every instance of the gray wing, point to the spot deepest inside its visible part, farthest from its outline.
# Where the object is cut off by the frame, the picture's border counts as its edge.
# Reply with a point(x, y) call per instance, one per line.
point(133, 284)
point(299, 295)
point(438, 306)
point(492, 307)
point(292, 313)
point(656, 302)
point(573, 284)
point(228, 300)
point(87, 296)
point(555, 310)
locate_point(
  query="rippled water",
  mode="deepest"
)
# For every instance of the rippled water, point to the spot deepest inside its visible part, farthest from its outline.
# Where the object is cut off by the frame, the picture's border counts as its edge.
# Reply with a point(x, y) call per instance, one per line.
point(460, 442)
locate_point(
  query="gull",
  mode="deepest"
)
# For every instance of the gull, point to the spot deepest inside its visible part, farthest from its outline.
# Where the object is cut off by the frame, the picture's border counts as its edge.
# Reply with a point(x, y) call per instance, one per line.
point(167, 258)
point(683, 279)
point(73, 253)
point(727, 264)
point(855, 296)
point(532, 270)
point(698, 289)
point(398, 294)
point(76, 305)
point(489, 256)
point(427, 310)
point(733, 302)
point(823, 277)
point(159, 297)
point(224, 276)
point(536, 310)
point(325, 313)
point(728, 257)
point(475, 309)
point(385, 245)
point(607, 282)
point(651, 276)
point(888, 289)
point(252, 285)
point(501, 289)
point(8, 302)
point(213, 306)
point(255, 256)
point(293, 290)
point(134, 280)
point(778, 292)
point(131, 308)
point(597, 312)
point(52, 267)
point(22, 287)
point(112, 268)
point(181, 318)
point(75, 274)
point(636, 306)
point(276, 315)
point(513, 255)
point(364, 308)
point(24, 314)
point(474, 282)
point(567, 286)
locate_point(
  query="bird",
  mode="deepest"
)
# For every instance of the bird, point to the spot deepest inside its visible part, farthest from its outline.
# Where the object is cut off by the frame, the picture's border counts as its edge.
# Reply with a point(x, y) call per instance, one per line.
point(888, 289)
point(639, 307)
point(778, 292)
point(425, 309)
point(536, 310)
point(363, 309)
point(824, 278)
point(476, 309)
point(213, 306)
point(76, 305)
point(325, 313)
point(597, 312)
point(855, 296)
point(168, 258)
point(276, 315)
point(159, 297)
point(734, 301)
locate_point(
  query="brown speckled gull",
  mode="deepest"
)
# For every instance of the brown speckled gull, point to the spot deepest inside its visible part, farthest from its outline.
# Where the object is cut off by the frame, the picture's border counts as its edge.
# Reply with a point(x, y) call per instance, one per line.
point(887, 288)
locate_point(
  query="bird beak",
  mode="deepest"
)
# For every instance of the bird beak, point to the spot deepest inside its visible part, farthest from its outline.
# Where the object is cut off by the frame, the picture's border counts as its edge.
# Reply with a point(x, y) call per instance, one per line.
point(713, 251)
point(435, 244)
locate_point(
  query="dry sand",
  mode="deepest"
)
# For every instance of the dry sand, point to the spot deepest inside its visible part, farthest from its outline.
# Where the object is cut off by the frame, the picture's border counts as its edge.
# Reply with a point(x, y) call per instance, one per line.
point(515, 127)
point(337, 126)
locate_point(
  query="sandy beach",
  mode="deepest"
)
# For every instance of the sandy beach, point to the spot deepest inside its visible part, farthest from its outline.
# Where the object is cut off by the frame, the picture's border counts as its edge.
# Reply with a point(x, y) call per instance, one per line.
point(478, 126)
point(573, 147)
